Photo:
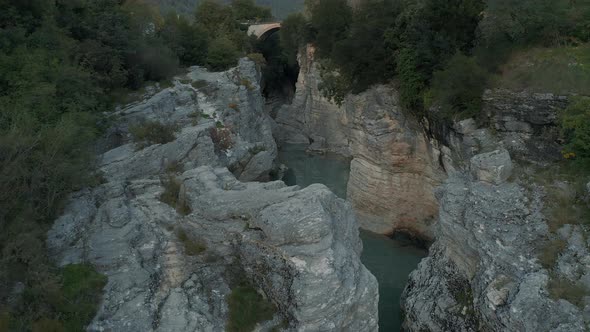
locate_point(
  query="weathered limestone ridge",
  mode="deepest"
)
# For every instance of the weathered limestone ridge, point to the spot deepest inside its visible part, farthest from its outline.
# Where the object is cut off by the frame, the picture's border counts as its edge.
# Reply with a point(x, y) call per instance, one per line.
point(171, 266)
point(484, 271)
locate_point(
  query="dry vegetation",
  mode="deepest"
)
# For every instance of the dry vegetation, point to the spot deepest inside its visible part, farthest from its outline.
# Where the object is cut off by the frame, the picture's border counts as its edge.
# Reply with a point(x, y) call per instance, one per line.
point(172, 195)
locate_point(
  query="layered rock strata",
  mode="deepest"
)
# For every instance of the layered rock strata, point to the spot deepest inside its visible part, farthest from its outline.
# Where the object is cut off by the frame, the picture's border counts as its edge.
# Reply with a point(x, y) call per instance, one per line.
point(394, 167)
point(483, 271)
point(171, 262)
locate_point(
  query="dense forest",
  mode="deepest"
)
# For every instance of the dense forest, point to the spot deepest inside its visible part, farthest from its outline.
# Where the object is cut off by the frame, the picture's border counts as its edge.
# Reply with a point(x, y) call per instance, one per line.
point(63, 64)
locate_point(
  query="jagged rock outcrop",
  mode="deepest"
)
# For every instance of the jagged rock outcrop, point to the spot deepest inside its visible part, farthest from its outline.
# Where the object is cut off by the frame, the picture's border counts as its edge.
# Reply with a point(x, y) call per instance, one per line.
point(526, 122)
point(228, 102)
point(483, 272)
point(394, 168)
point(171, 268)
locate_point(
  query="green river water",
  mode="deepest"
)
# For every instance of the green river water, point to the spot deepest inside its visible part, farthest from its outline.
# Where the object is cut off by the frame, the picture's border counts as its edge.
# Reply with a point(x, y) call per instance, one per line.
point(391, 261)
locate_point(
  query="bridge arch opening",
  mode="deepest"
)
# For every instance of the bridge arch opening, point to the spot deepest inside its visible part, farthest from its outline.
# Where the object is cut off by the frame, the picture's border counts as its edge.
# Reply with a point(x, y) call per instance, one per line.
point(268, 33)
point(279, 77)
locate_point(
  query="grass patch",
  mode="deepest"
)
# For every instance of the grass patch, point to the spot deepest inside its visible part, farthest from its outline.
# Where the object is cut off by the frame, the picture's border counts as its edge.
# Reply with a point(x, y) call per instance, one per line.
point(82, 290)
point(567, 290)
point(565, 185)
point(565, 202)
point(550, 253)
point(172, 197)
point(191, 247)
point(247, 308)
point(195, 114)
point(246, 82)
point(174, 167)
point(256, 150)
point(199, 84)
point(152, 132)
point(561, 70)
point(125, 96)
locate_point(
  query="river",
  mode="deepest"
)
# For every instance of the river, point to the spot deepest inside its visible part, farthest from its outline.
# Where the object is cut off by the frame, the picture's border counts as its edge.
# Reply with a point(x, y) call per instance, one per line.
point(391, 261)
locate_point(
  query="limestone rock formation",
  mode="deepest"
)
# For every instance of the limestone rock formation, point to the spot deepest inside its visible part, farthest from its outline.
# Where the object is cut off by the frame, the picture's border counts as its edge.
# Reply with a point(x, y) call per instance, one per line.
point(526, 122)
point(228, 102)
point(493, 167)
point(174, 230)
point(394, 167)
point(483, 272)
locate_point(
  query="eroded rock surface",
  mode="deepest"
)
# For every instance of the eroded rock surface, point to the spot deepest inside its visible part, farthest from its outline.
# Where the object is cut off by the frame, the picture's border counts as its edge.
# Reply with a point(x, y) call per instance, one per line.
point(394, 168)
point(483, 272)
point(171, 268)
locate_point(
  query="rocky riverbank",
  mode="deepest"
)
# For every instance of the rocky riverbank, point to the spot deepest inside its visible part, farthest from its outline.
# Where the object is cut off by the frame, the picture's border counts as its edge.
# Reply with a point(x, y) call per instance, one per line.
point(175, 228)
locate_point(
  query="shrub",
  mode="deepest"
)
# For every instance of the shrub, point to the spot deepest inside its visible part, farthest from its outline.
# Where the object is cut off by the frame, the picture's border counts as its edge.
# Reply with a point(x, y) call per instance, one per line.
point(246, 82)
point(257, 58)
point(82, 289)
point(222, 55)
point(195, 115)
point(568, 290)
point(174, 167)
point(575, 127)
point(157, 61)
point(172, 195)
point(199, 84)
point(333, 85)
point(191, 247)
point(234, 106)
point(152, 132)
point(294, 34)
point(458, 88)
point(247, 308)
point(221, 138)
point(550, 253)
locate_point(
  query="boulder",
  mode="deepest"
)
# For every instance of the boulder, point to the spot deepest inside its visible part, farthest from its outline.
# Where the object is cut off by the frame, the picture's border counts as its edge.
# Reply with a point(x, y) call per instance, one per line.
point(494, 167)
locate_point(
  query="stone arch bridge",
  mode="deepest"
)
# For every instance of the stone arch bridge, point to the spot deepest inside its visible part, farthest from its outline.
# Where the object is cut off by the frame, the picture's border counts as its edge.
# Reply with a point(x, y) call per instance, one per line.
point(264, 30)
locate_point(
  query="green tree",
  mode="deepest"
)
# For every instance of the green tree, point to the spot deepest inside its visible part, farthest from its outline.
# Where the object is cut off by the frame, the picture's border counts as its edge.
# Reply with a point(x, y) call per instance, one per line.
point(247, 10)
point(330, 20)
point(222, 54)
point(427, 34)
point(188, 41)
point(365, 57)
point(214, 18)
point(457, 89)
point(294, 33)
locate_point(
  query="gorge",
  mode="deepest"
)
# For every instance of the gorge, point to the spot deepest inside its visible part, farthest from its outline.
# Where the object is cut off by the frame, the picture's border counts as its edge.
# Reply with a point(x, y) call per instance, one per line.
point(354, 166)
point(302, 246)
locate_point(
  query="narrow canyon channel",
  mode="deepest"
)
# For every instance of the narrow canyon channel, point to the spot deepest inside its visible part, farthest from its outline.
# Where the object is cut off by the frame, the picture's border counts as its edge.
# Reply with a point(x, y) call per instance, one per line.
point(390, 260)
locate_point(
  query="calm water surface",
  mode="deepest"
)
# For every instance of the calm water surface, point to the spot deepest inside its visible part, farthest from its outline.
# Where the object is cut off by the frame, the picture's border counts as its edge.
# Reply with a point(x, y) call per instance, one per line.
point(391, 261)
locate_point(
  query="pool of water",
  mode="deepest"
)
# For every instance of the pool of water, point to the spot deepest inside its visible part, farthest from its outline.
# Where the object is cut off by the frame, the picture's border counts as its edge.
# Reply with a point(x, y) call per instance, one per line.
point(391, 261)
